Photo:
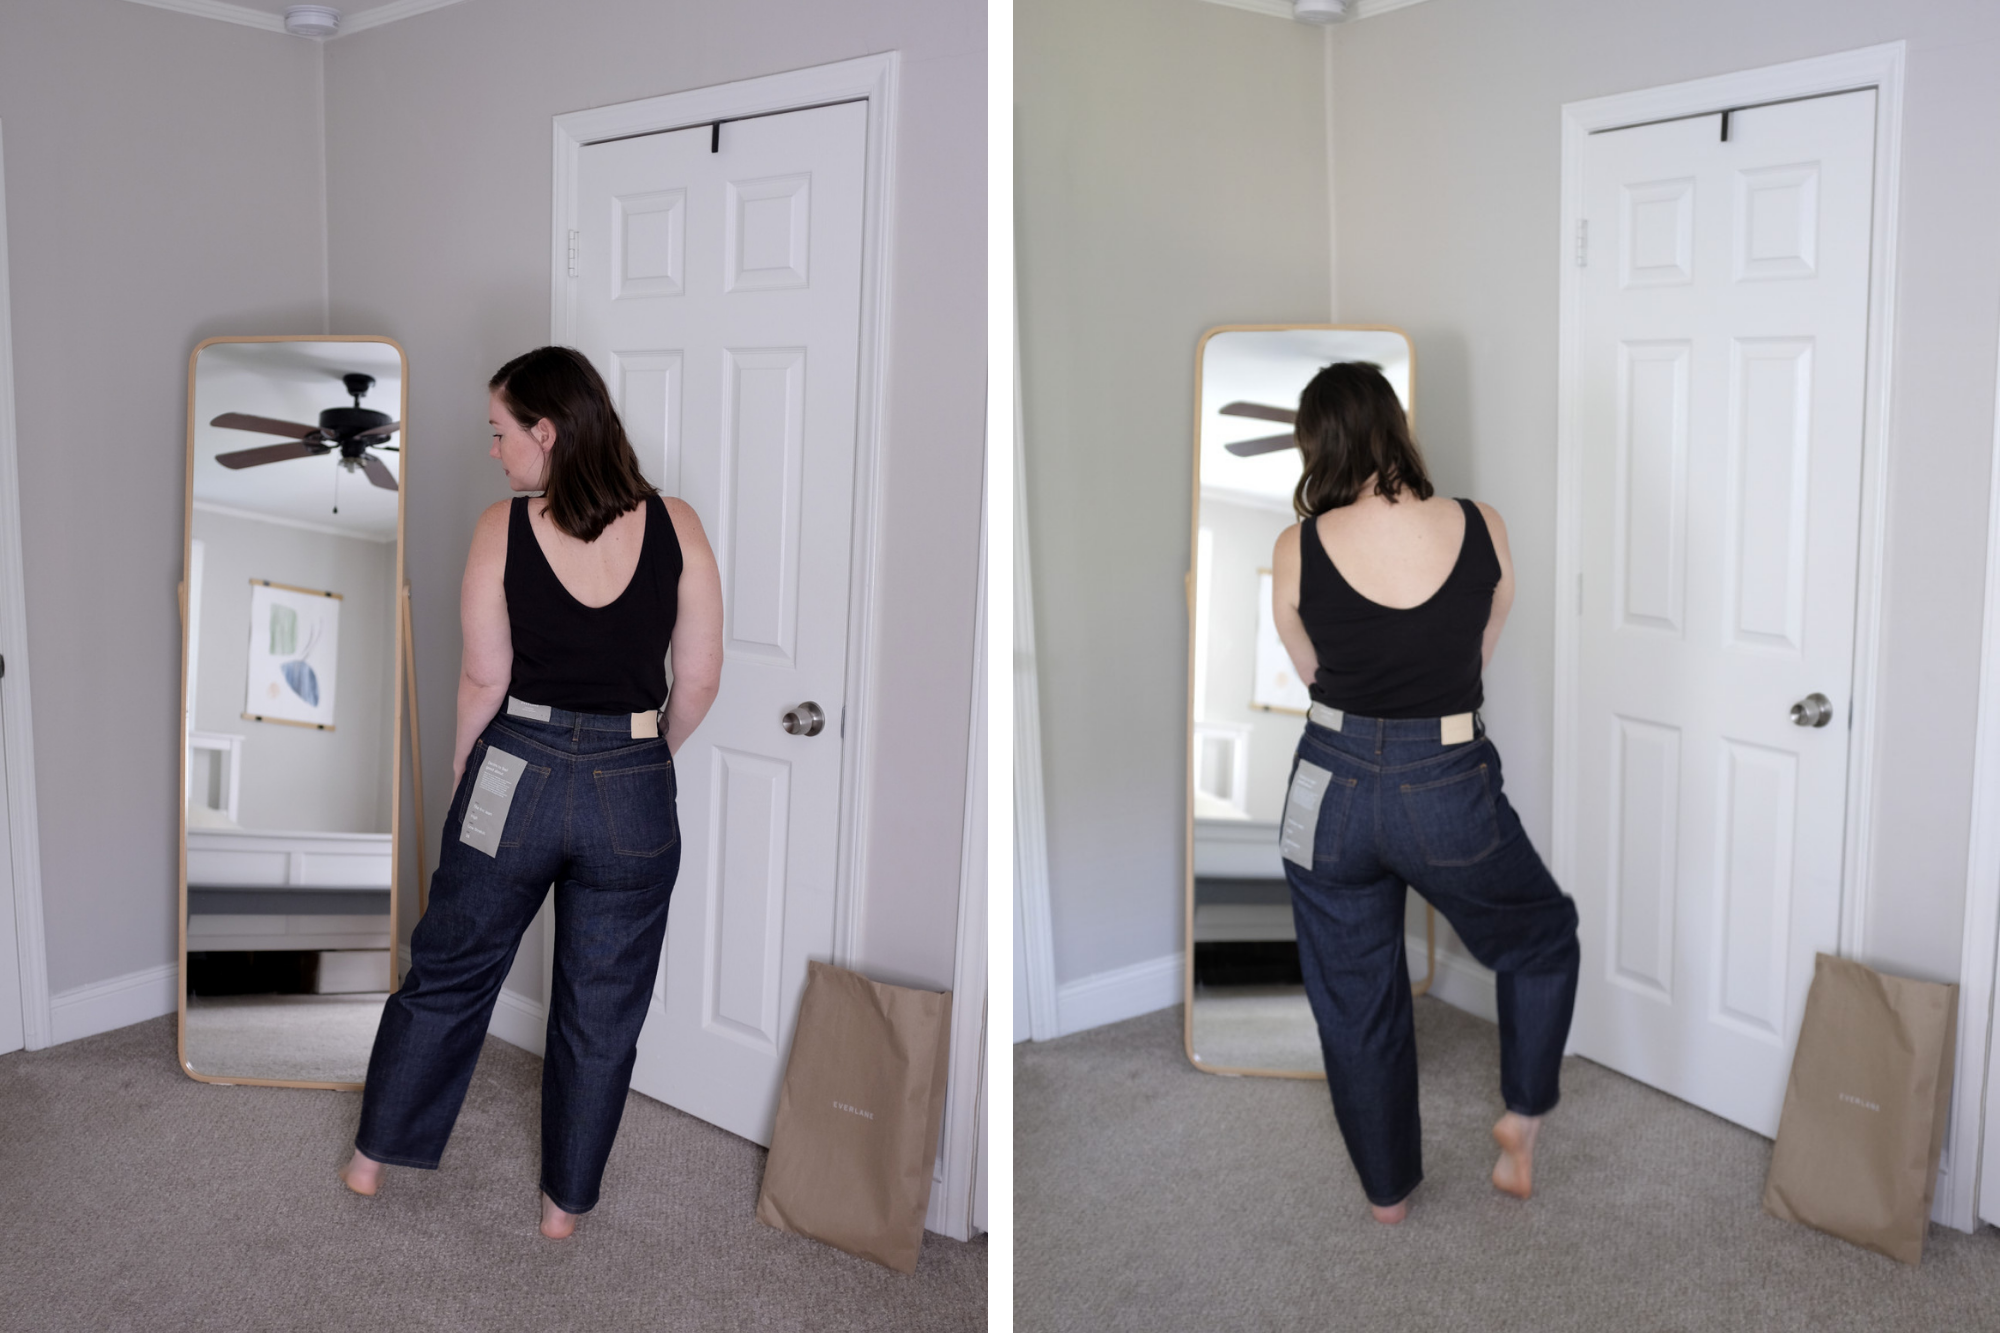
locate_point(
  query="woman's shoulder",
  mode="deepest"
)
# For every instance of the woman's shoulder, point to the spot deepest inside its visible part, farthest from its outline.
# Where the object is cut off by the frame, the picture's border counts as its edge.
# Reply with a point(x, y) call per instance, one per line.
point(1494, 523)
point(493, 521)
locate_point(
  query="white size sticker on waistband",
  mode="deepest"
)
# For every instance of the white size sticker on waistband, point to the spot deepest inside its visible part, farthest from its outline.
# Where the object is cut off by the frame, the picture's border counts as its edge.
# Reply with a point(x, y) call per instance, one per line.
point(1302, 814)
point(522, 708)
point(492, 795)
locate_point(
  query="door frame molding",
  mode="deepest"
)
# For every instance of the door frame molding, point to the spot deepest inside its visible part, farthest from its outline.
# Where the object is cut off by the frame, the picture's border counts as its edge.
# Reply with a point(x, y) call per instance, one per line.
point(17, 756)
point(1976, 1188)
point(1878, 67)
point(872, 79)
point(953, 1209)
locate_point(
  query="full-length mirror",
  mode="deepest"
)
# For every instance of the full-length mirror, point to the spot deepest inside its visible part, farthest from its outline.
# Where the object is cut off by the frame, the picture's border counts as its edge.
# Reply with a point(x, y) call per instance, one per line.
point(1246, 1001)
point(290, 717)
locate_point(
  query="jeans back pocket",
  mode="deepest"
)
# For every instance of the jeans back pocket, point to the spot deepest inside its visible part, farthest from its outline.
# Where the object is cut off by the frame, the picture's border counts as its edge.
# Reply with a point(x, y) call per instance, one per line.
point(1456, 819)
point(639, 808)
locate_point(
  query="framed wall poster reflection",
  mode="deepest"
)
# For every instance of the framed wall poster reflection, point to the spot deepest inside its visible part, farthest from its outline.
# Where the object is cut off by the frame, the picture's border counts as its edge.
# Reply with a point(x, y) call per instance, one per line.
point(1277, 687)
point(294, 655)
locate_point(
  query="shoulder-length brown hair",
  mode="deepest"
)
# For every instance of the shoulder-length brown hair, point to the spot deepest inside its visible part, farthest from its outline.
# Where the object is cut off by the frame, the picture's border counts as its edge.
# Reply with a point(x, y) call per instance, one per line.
point(593, 474)
point(1350, 427)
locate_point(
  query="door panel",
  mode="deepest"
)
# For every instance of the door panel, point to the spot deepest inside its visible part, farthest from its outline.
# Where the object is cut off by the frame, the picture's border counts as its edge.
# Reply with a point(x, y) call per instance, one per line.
point(1720, 406)
point(719, 292)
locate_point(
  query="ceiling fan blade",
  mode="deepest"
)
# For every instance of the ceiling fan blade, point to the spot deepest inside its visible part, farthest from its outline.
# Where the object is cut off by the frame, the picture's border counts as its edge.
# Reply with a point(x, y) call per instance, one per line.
point(269, 453)
point(1263, 444)
point(1259, 411)
point(263, 425)
point(378, 472)
point(374, 433)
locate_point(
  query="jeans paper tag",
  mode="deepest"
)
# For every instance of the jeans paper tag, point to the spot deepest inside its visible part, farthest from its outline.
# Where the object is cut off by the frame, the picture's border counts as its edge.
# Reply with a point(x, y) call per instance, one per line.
point(492, 795)
point(1302, 814)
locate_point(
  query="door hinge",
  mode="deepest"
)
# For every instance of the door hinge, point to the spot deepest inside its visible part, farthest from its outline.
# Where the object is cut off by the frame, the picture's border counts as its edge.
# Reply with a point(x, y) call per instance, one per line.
point(572, 252)
point(1582, 242)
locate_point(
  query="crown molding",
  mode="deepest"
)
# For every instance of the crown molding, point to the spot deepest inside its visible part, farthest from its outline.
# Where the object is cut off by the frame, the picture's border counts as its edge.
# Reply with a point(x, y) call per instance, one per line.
point(404, 9)
point(361, 22)
point(217, 9)
point(1282, 9)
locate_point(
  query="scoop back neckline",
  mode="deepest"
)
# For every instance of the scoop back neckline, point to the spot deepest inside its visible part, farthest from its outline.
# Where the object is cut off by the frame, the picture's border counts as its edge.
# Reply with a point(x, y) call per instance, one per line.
point(1464, 540)
point(645, 534)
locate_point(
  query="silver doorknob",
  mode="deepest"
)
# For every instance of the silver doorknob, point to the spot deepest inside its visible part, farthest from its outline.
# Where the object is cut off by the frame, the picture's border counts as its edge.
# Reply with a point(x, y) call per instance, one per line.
point(808, 719)
point(1815, 710)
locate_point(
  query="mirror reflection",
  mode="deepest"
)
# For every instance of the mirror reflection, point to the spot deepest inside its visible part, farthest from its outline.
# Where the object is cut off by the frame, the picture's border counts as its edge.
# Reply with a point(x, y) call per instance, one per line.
point(293, 566)
point(1246, 1009)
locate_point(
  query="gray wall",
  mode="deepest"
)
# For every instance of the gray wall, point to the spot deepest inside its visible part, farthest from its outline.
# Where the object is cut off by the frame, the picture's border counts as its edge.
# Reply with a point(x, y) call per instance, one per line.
point(1447, 120)
point(163, 185)
point(439, 158)
point(1170, 175)
point(299, 778)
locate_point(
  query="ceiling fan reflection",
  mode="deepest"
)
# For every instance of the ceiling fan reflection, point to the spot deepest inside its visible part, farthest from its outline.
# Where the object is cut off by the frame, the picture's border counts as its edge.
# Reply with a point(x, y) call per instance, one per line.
point(1263, 444)
point(350, 431)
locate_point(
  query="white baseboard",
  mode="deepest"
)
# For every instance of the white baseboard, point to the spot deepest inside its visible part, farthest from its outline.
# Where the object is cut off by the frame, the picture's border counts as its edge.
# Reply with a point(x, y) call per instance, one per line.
point(519, 1020)
point(1122, 993)
point(1460, 982)
point(119, 1002)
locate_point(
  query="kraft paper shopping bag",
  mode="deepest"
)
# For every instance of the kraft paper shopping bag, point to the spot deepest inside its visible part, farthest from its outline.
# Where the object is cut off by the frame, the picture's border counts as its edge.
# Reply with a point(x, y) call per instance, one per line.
point(858, 1116)
point(1865, 1108)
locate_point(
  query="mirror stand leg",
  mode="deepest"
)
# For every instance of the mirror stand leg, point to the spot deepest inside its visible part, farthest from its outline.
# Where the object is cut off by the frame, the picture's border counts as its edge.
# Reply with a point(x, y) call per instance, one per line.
point(1430, 951)
point(417, 751)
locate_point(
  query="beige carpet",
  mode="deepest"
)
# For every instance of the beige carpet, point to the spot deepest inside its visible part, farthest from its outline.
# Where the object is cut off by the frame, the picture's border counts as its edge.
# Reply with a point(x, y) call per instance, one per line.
point(139, 1199)
point(1152, 1197)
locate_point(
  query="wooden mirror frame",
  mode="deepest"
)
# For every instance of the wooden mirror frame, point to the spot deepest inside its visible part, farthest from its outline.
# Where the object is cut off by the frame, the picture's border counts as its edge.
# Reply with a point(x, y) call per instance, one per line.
point(400, 650)
point(1187, 846)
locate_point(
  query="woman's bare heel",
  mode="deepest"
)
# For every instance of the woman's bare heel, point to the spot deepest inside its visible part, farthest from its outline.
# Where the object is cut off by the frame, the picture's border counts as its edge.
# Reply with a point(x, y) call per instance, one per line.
point(1393, 1214)
point(1514, 1173)
point(362, 1174)
point(556, 1224)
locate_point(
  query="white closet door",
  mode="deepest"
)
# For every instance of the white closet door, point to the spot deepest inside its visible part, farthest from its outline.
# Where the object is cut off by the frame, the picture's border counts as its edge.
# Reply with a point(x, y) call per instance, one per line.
point(1723, 359)
point(719, 294)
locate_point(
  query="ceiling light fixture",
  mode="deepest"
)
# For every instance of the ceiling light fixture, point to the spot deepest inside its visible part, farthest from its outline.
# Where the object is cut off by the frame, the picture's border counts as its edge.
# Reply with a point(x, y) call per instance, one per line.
point(319, 20)
point(1319, 11)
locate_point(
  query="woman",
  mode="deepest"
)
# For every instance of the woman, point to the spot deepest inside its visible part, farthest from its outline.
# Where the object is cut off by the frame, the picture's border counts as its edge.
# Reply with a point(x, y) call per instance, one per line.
point(570, 604)
point(1391, 601)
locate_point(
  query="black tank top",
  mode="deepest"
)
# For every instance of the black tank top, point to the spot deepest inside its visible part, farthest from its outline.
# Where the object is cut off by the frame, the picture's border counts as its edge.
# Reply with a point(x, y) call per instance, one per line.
point(1379, 661)
point(602, 659)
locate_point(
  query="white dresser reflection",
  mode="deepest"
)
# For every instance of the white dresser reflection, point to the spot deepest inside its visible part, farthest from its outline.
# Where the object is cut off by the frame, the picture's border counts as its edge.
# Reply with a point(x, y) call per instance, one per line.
point(268, 890)
point(1240, 891)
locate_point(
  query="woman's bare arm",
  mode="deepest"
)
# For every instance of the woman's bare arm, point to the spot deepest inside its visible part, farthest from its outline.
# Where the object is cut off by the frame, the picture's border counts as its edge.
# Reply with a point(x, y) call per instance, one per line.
point(1503, 593)
point(488, 663)
point(697, 642)
point(1285, 605)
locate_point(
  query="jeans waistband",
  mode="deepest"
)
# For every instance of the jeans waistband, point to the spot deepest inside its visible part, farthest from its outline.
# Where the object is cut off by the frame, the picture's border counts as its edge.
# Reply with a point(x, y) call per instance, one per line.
point(1454, 730)
point(630, 724)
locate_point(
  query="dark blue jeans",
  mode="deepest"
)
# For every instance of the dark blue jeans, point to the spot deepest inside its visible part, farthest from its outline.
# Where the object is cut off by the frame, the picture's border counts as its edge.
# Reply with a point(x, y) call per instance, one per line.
point(592, 814)
point(1401, 808)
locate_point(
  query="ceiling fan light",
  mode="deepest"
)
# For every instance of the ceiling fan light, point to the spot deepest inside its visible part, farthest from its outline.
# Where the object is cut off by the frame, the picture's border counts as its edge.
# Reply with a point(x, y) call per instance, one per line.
point(1319, 11)
point(312, 20)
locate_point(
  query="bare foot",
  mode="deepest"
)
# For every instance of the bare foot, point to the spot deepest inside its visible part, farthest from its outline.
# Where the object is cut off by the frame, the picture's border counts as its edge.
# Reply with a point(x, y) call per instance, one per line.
point(556, 1224)
point(1391, 1215)
point(1514, 1173)
point(362, 1174)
